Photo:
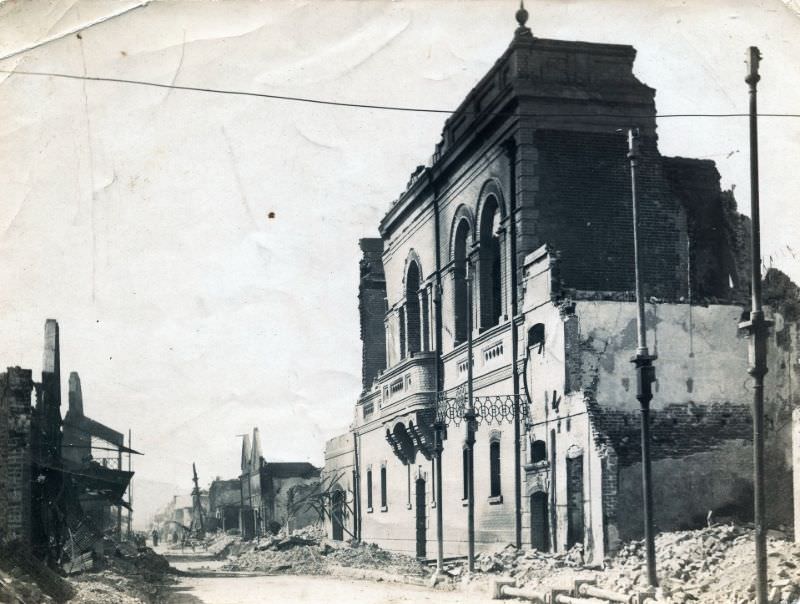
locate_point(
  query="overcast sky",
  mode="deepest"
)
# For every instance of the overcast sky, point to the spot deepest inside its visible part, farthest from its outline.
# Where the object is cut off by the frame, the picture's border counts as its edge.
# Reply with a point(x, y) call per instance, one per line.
point(139, 217)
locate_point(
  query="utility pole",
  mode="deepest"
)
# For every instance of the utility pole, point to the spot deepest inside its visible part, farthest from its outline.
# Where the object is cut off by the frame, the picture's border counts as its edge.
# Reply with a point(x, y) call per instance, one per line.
point(198, 506)
point(757, 328)
point(645, 372)
point(130, 484)
point(469, 416)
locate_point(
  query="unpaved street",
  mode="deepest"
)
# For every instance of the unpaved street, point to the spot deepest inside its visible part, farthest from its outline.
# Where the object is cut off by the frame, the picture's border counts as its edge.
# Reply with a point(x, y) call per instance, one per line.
point(328, 590)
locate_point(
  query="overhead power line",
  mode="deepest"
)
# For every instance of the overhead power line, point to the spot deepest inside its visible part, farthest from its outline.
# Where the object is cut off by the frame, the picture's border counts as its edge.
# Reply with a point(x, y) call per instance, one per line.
point(334, 103)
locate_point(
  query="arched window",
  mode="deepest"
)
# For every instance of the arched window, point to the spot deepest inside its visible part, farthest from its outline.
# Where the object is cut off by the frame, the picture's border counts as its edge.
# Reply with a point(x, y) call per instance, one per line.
point(536, 338)
point(490, 286)
point(538, 451)
point(465, 469)
point(369, 489)
point(412, 309)
point(459, 282)
point(383, 488)
point(494, 468)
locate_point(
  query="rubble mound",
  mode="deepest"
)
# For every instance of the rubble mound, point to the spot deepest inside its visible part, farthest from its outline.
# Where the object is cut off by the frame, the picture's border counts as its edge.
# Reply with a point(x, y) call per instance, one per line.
point(714, 564)
point(130, 575)
point(308, 551)
point(25, 578)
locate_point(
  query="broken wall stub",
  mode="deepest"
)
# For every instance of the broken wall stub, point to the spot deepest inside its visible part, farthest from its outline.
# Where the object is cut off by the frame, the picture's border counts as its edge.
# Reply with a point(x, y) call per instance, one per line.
point(338, 485)
point(16, 387)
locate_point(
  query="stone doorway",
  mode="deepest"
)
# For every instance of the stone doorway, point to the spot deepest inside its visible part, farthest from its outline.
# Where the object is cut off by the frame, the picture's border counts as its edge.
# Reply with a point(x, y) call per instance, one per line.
point(540, 533)
point(337, 515)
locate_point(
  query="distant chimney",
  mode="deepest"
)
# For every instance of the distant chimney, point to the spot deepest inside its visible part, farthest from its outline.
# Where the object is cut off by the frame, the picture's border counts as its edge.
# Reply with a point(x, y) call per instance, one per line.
point(75, 394)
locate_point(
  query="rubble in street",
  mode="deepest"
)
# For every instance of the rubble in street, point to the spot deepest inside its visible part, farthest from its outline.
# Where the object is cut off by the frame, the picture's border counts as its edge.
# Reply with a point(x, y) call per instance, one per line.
point(709, 565)
point(130, 575)
point(307, 551)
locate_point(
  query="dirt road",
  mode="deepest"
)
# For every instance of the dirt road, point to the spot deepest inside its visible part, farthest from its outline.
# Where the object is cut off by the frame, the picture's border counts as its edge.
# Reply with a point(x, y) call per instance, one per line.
point(322, 590)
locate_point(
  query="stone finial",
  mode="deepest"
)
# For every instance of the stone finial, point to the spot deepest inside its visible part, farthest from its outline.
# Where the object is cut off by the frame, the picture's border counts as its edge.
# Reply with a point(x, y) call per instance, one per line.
point(522, 14)
point(522, 19)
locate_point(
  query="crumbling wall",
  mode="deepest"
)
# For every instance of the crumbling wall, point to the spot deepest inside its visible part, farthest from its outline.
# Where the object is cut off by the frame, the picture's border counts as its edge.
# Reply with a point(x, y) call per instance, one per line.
point(371, 310)
point(716, 231)
point(701, 423)
point(16, 386)
point(584, 212)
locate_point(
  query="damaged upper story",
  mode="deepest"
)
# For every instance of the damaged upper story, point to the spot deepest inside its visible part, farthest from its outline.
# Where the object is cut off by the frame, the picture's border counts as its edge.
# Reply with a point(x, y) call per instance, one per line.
point(534, 157)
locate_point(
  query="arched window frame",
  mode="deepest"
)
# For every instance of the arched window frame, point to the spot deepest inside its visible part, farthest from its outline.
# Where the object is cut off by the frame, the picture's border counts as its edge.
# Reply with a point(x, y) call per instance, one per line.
point(415, 313)
point(492, 261)
point(495, 468)
point(463, 219)
point(369, 489)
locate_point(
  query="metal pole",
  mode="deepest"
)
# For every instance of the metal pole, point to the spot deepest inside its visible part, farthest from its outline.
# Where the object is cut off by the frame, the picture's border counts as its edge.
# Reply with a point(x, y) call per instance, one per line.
point(439, 426)
point(439, 446)
point(757, 328)
point(130, 484)
point(645, 372)
point(511, 149)
point(469, 416)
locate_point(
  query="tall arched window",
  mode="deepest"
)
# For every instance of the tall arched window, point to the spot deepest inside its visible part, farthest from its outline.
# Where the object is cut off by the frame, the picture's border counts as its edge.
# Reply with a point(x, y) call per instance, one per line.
point(412, 308)
point(459, 281)
point(465, 473)
point(490, 286)
point(494, 469)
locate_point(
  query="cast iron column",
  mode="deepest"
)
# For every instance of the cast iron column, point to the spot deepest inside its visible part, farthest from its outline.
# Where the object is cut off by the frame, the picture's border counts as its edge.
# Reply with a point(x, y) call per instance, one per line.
point(757, 328)
point(469, 416)
point(438, 448)
point(645, 372)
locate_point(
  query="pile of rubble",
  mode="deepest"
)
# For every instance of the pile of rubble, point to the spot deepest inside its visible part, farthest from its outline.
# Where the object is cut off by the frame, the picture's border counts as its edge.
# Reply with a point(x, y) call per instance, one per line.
point(130, 575)
point(23, 578)
point(714, 564)
point(710, 565)
point(307, 551)
point(522, 565)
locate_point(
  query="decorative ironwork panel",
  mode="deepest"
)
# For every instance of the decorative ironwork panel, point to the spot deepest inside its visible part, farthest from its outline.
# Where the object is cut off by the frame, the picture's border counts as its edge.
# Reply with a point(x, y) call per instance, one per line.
point(491, 410)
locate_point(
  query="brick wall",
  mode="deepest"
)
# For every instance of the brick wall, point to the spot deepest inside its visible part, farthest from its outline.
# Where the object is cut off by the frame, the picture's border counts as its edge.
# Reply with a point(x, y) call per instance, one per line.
point(715, 228)
point(16, 386)
point(584, 212)
point(371, 309)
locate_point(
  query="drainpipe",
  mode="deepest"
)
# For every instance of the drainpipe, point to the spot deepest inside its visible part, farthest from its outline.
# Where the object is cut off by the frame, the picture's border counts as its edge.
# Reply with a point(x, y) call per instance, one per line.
point(511, 149)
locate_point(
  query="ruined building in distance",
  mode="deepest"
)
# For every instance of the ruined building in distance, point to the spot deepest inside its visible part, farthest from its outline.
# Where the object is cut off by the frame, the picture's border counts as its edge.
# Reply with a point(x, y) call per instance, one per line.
point(529, 188)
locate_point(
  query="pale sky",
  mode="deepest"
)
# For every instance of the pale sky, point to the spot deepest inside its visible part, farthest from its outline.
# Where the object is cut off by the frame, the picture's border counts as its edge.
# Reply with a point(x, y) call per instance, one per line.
point(138, 217)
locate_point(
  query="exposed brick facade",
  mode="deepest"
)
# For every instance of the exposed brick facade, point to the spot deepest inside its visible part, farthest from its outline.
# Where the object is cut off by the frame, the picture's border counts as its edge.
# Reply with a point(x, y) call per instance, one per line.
point(16, 387)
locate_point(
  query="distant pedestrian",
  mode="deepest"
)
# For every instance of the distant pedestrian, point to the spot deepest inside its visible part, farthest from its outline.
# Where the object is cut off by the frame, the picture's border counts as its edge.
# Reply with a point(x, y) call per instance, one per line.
point(155, 538)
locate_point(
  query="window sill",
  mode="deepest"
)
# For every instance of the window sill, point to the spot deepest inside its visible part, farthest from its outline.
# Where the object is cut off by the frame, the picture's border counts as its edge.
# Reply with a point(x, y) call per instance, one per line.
point(496, 500)
point(384, 508)
point(369, 510)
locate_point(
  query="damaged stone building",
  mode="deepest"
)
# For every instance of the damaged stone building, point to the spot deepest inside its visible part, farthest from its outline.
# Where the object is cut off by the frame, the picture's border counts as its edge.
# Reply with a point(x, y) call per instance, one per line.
point(272, 493)
point(57, 496)
point(529, 192)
